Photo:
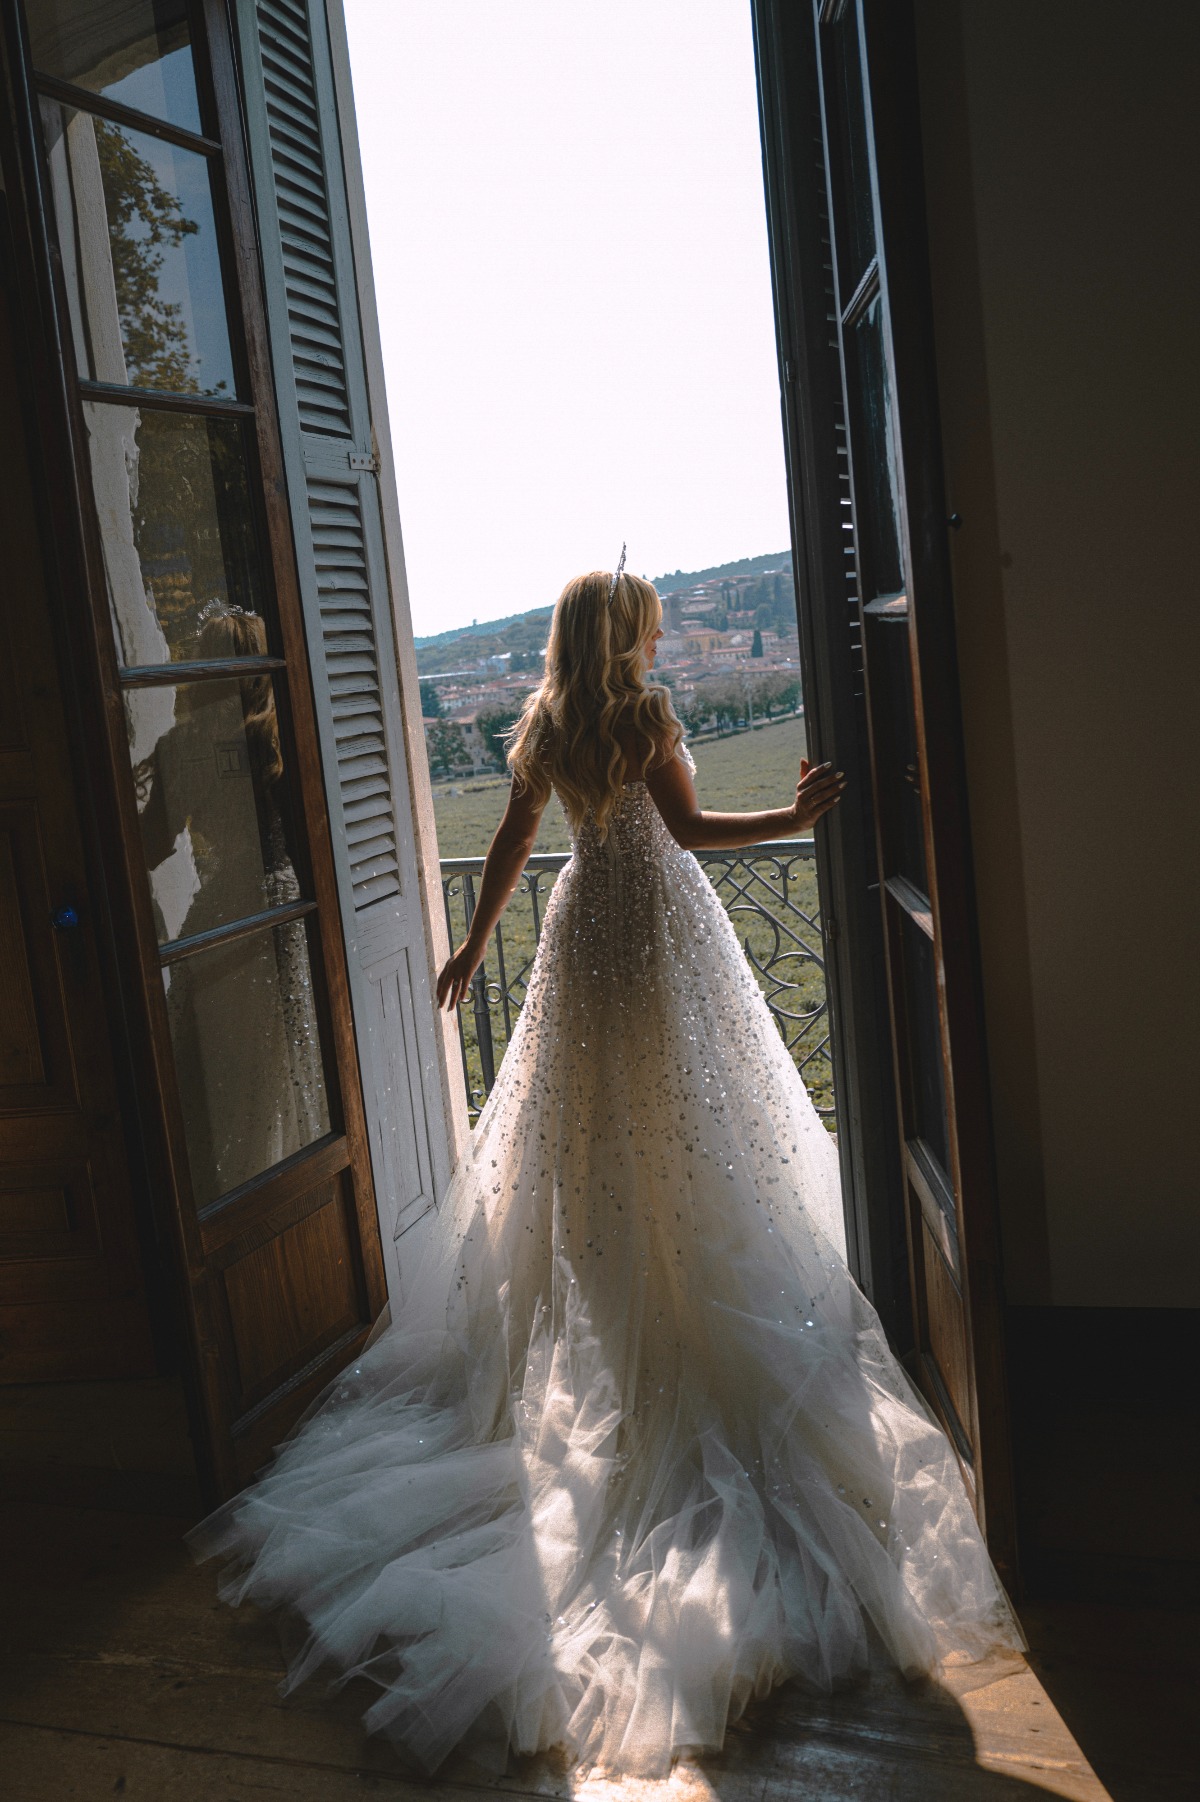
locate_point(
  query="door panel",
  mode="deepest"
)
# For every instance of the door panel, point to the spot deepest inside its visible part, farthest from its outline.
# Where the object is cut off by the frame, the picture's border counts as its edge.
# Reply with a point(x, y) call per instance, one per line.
point(282, 1306)
point(36, 1054)
point(291, 1294)
point(872, 153)
point(22, 1063)
point(72, 1303)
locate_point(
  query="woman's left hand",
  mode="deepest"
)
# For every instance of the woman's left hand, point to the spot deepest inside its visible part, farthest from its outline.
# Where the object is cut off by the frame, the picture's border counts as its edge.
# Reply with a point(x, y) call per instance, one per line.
point(819, 788)
point(454, 978)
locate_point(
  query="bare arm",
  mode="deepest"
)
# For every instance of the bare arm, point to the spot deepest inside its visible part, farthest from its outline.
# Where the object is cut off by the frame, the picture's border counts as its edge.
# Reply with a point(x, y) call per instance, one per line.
point(507, 856)
point(674, 795)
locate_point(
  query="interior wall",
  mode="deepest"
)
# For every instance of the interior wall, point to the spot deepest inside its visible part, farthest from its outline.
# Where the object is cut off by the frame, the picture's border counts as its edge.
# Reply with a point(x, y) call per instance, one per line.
point(1061, 180)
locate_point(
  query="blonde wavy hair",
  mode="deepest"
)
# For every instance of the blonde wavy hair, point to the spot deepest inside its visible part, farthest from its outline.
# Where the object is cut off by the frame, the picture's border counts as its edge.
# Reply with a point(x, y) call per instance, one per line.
point(595, 680)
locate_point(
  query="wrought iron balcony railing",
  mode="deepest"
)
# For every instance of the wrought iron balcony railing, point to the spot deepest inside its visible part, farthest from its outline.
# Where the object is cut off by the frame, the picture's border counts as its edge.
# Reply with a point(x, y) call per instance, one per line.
point(770, 891)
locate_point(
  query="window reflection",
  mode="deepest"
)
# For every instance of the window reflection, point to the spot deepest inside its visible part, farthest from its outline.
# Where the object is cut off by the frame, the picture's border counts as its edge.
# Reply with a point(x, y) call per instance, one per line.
point(138, 238)
point(208, 771)
point(173, 501)
point(851, 167)
point(248, 1056)
point(876, 476)
point(897, 765)
point(137, 52)
point(929, 1119)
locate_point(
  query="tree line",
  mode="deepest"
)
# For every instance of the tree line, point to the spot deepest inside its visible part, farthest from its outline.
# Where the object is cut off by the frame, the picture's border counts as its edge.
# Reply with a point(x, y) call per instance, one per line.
point(726, 703)
point(729, 701)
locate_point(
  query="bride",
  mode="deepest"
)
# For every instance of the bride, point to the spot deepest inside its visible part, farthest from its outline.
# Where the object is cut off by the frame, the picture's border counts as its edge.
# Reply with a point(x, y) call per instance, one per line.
point(635, 1449)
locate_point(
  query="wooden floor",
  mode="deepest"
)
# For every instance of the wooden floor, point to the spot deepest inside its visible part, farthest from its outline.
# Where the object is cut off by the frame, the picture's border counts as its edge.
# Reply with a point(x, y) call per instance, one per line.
point(123, 1675)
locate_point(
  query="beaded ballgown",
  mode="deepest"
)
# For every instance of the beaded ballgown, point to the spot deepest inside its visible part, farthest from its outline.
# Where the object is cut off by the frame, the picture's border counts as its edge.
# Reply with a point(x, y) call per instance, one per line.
point(635, 1449)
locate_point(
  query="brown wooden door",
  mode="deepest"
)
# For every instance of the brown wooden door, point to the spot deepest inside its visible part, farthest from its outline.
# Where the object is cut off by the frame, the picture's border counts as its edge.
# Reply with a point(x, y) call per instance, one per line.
point(868, 99)
point(71, 1294)
point(144, 281)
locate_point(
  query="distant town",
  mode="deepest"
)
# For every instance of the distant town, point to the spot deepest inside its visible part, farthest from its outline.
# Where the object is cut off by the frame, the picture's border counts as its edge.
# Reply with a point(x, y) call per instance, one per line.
point(729, 653)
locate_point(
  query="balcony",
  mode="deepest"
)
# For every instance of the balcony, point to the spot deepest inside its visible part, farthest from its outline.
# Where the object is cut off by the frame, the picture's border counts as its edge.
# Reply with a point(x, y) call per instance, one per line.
point(770, 891)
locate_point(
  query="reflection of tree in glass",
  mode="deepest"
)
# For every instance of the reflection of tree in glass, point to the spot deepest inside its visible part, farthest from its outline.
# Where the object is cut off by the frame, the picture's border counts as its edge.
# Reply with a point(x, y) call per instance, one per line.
point(143, 217)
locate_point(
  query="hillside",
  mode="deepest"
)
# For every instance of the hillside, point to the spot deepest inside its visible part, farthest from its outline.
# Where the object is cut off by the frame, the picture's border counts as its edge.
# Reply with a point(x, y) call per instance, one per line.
point(524, 634)
point(744, 566)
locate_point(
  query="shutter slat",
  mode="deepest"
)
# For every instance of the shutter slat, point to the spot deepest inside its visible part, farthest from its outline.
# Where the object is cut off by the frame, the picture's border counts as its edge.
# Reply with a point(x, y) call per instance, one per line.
point(375, 877)
point(377, 891)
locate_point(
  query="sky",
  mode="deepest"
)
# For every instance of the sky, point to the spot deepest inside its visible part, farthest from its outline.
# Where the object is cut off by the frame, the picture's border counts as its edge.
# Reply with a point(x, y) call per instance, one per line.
point(567, 225)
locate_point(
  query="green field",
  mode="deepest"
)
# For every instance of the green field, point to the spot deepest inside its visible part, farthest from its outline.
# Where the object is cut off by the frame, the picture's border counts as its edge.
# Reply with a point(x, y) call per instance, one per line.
point(773, 903)
point(742, 772)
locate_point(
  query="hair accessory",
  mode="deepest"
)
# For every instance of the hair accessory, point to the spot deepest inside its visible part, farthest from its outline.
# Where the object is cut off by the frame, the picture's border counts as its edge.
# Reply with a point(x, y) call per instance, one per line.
point(218, 609)
point(612, 587)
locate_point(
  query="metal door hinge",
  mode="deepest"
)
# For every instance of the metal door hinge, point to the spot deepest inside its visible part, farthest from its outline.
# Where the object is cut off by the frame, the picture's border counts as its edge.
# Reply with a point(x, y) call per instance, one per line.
point(364, 460)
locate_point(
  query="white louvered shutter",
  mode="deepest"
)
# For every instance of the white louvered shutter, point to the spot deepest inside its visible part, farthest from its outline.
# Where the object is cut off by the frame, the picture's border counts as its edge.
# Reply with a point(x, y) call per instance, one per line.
point(332, 477)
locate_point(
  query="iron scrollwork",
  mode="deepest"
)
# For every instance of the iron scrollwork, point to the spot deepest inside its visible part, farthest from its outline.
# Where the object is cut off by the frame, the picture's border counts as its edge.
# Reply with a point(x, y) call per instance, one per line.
point(770, 893)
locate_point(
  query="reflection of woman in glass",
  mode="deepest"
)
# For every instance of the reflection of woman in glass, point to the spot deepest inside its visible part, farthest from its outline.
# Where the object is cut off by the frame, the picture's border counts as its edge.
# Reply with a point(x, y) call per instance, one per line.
point(242, 1014)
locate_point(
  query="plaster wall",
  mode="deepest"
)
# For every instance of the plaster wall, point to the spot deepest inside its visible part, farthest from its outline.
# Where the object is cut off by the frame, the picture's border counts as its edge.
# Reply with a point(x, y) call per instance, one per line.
point(1061, 184)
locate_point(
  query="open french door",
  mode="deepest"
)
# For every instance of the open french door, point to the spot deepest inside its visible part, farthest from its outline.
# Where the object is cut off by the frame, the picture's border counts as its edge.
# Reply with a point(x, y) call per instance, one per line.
point(192, 301)
point(842, 158)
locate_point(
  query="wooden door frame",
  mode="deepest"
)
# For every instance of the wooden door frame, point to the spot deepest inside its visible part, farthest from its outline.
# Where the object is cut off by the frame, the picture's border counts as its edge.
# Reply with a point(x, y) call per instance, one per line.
point(154, 1122)
point(814, 413)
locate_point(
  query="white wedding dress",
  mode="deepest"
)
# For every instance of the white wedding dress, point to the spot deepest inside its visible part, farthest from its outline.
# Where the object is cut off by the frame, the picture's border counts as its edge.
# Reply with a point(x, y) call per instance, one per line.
point(636, 1448)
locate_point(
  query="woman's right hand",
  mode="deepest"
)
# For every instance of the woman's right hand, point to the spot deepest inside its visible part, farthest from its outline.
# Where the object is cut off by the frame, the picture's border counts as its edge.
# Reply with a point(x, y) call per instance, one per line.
point(454, 977)
point(819, 788)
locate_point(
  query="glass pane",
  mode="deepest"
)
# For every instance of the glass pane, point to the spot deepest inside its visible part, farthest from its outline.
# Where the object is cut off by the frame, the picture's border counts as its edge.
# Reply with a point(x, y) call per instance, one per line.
point(247, 1056)
point(897, 772)
point(210, 795)
point(873, 447)
point(136, 51)
point(853, 210)
point(926, 1082)
point(177, 529)
point(139, 248)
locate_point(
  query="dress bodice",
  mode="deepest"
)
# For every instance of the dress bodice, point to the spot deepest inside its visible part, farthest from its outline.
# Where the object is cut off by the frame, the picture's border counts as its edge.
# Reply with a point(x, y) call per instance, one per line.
point(635, 826)
point(633, 817)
